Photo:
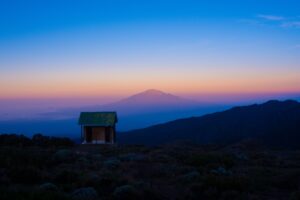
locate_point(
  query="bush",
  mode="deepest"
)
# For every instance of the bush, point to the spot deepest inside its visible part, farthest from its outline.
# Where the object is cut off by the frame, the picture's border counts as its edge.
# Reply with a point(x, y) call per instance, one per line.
point(87, 193)
point(15, 157)
point(66, 177)
point(190, 177)
point(132, 157)
point(231, 195)
point(107, 182)
point(222, 183)
point(25, 175)
point(22, 194)
point(295, 196)
point(210, 160)
point(46, 141)
point(126, 192)
point(48, 187)
point(14, 140)
point(37, 140)
point(112, 163)
point(221, 171)
point(195, 191)
point(63, 155)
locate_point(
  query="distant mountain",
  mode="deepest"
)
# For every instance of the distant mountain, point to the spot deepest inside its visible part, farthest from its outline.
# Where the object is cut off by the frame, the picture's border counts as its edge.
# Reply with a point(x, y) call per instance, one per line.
point(153, 106)
point(152, 96)
point(274, 123)
point(144, 109)
point(137, 111)
point(151, 101)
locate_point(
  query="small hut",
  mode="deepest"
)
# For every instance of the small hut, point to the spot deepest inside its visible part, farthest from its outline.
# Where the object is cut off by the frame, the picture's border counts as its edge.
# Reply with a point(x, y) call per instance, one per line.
point(98, 127)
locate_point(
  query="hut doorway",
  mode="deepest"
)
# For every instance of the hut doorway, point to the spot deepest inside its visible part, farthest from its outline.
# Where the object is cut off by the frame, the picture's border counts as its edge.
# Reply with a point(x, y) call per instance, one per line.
point(107, 134)
point(89, 134)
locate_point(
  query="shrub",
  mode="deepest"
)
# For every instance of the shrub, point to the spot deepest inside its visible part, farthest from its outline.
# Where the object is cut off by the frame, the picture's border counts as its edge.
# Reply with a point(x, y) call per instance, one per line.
point(210, 160)
point(132, 157)
point(221, 183)
point(87, 193)
point(63, 155)
point(66, 177)
point(37, 140)
point(46, 141)
point(25, 194)
point(14, 140)
point(194, 191)
point(190, 177)
point(48, 187)
point(107, 181)
point(112, 163)
point(231, 195)
point(90, 179)
point(221, 171)
point(295, 195)
point(25, 175)
point(15, 157)
point(126, 192)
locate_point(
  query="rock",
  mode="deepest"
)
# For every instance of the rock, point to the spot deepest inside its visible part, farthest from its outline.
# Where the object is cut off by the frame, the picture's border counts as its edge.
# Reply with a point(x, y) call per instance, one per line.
point(48, 187)
point(87, 193)
point(125, 192)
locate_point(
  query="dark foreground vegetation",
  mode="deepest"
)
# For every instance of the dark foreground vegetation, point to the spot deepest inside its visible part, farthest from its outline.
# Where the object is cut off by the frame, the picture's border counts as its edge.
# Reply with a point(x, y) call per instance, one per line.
point(53, 168)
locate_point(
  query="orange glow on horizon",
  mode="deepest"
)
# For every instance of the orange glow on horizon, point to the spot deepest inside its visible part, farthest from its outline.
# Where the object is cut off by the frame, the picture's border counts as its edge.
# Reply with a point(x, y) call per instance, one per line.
point(122, 83)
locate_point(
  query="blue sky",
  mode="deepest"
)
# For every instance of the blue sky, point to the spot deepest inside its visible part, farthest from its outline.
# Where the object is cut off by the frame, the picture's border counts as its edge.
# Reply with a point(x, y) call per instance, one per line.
point(52, 49)
point(25, 18)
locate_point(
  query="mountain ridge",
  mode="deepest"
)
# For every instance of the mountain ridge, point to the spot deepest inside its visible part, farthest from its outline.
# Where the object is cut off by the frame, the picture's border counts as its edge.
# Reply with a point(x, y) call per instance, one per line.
point(273, 122)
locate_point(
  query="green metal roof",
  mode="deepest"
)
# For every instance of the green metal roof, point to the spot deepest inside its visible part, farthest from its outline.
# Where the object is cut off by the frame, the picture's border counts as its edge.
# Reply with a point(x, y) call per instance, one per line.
point(98, 118)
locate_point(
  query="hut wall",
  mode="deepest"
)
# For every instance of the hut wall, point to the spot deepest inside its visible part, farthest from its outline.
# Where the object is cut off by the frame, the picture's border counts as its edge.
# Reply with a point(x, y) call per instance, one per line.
point(98, 133)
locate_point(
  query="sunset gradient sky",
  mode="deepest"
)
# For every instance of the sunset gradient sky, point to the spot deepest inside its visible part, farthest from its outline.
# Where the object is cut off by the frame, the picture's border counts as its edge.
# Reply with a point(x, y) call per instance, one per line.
point(110, 49)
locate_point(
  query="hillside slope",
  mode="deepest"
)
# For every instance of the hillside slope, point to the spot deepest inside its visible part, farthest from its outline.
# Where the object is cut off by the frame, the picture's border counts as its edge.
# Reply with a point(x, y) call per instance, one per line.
point(274, 123)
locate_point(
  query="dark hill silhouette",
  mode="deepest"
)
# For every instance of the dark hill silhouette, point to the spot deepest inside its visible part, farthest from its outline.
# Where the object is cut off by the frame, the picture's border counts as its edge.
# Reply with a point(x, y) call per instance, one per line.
point(274, 123)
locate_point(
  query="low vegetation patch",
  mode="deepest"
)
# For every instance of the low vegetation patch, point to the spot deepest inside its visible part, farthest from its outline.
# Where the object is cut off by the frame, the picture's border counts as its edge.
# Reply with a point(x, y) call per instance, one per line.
point(47, 168)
